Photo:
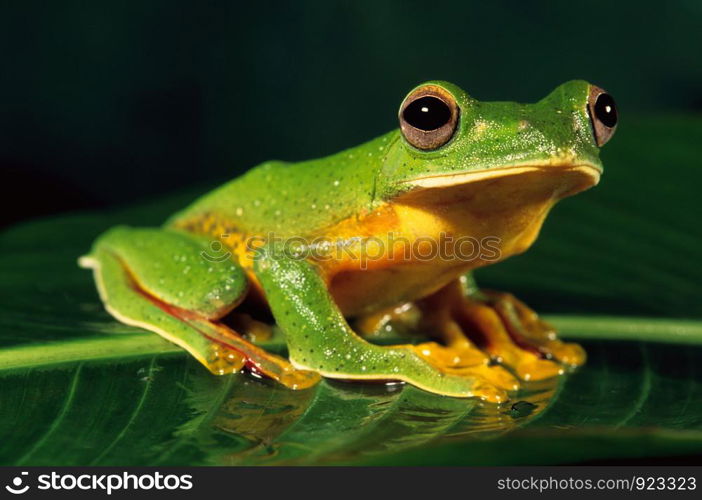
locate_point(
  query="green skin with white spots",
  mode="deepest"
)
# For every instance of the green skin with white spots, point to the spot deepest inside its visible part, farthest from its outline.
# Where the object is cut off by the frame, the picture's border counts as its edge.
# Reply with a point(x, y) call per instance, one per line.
point(299, 199)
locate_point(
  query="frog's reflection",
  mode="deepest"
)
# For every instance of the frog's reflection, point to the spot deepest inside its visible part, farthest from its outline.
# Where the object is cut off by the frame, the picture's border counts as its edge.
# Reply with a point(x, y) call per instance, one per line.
point(260, 422)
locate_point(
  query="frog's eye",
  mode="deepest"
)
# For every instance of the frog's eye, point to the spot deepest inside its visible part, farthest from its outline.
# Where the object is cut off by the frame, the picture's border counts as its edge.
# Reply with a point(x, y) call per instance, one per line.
point(428, 117)
point(603, 114)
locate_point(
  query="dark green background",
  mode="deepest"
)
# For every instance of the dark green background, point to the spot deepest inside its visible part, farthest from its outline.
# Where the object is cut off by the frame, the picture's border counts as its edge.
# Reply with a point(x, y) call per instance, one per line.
point(108, 102)
point(103, 103)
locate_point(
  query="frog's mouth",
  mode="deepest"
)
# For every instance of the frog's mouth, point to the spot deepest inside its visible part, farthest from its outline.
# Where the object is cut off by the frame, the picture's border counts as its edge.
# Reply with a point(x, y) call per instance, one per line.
point(590, 173)
point(509, 183)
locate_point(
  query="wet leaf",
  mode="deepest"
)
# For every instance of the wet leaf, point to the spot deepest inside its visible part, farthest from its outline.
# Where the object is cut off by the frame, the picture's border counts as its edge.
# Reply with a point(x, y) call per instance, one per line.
point(616, 268)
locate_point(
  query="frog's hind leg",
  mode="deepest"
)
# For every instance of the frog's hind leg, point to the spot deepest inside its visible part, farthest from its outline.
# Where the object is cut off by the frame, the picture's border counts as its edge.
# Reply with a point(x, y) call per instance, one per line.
point(165, 281)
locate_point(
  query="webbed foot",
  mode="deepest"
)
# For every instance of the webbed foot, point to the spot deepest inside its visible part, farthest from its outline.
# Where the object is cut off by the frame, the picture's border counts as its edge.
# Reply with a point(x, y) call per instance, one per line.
point(503, 328)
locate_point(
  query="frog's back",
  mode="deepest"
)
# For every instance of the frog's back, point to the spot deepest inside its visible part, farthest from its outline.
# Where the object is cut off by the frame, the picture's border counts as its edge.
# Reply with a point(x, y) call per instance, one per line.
point(236, 204)
point(288, 199)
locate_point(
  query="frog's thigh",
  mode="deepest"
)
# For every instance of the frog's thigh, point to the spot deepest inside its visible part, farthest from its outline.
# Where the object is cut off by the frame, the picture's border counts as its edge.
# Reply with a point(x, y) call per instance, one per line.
point(320, 339)
point(167, 282)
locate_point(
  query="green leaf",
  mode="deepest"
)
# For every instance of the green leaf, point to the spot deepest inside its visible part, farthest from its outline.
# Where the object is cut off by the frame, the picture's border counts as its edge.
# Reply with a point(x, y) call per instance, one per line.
point(616, 268)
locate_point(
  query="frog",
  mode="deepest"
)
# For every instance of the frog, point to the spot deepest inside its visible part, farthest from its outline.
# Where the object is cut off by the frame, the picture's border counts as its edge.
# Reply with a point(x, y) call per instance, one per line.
point(330, 251)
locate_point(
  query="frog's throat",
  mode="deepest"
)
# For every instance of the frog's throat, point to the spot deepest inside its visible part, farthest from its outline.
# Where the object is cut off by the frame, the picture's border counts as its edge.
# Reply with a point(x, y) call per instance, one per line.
point(590, 175)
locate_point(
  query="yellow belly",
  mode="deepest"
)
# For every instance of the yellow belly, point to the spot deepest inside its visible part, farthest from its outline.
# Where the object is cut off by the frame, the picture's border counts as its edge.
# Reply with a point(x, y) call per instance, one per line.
point(426, 251)
point(449, 232)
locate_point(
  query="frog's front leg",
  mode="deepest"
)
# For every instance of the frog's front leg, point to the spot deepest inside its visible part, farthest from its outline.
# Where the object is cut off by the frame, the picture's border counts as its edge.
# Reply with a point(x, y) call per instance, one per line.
point(501, 326)
point(320, 339)
point(163, 281)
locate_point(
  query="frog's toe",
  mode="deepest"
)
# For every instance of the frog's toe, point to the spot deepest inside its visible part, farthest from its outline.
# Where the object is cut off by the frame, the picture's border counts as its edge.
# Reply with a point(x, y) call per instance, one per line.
point(532, 368)
point(490, 382)
point(224, 360)
point(568, 353)
point(496, 375)
point(490, 393)
point(467, 361)
point(526, 364)
point(531, 332)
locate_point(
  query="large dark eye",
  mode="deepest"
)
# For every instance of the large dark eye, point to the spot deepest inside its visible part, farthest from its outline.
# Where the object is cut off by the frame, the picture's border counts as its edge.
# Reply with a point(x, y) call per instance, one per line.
point(428, 117)
point(603, 114)
point(427, 113)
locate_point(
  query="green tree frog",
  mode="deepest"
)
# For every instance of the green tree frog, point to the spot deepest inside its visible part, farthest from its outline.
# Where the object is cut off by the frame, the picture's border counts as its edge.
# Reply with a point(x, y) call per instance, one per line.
point(334, 249)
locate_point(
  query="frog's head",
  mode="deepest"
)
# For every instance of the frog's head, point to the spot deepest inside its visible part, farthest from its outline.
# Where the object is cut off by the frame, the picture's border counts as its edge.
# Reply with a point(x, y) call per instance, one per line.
point(453, 147)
